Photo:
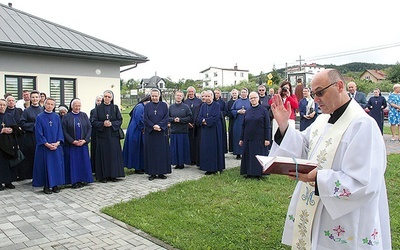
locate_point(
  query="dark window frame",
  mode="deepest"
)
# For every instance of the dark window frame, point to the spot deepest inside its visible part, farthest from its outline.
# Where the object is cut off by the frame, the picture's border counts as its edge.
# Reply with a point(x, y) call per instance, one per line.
point(20, 88)
point(62, 89)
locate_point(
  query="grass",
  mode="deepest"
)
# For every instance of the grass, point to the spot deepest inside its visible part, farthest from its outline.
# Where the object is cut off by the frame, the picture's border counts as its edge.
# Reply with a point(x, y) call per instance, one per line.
point(228, 212)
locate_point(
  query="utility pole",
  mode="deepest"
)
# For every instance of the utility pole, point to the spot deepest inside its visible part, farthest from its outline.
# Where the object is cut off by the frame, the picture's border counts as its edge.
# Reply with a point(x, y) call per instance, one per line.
point(300, 60)
point(286, 71)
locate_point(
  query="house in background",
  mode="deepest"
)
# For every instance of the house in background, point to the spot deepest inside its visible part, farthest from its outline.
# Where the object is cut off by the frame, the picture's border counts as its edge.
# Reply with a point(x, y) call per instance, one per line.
point(155, 82)
point(214, 77)
point(305, 73)
point(373, 75)
point(63, 63)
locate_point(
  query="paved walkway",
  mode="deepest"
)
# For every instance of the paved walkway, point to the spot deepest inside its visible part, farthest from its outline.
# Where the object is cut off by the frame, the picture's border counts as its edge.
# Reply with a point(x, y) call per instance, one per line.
point(71, 219)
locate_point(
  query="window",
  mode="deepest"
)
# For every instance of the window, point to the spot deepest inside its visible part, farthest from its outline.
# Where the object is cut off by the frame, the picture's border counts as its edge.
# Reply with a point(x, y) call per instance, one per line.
point(234, 73)
point(241, 74)
point(215, 74)
point(206, 75)
point(62, 90)
point(16, 84)
point(367, 78)
point(215, 83)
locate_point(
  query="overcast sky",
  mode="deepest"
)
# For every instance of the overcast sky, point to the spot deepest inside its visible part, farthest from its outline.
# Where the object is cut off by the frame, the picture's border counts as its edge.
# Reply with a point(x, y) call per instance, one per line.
point(183, 37)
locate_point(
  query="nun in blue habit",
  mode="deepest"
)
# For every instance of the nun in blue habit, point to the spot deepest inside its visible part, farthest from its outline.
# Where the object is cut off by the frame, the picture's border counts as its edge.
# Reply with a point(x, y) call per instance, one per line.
point(212, 158)
point(77, 131)
point(133, 151)
point(48, 168)
point(157, 159)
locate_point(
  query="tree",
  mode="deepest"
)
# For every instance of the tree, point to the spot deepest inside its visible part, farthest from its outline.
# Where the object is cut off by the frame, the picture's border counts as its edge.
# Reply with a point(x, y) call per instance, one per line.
point(393, 73)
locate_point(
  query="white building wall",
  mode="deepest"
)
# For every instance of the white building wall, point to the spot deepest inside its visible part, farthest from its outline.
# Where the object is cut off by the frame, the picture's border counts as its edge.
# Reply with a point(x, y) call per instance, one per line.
point(92, 78)
point(225, 77)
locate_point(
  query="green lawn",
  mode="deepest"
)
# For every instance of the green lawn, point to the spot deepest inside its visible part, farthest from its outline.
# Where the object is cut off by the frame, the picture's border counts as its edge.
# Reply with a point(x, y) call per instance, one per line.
point(229, 212)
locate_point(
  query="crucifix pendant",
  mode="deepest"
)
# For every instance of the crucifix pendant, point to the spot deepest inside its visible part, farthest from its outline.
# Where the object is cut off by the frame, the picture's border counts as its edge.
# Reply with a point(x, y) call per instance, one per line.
point(107, 116)
point(155, 112)
point(3, 125)
point(50, 123)
point(79, 125)
point(207, 114)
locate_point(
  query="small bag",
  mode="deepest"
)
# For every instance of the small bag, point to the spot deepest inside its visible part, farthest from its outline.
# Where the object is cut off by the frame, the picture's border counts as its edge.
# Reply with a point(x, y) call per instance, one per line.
point(18, 160)
point(121, 134)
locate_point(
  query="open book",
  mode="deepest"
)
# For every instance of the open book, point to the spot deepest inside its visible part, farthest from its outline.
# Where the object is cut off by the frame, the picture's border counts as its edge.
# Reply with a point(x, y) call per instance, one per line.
point(284, 165)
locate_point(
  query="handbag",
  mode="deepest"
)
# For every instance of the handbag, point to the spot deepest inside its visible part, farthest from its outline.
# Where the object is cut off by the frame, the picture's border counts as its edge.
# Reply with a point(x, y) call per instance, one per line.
point(121, 134)
point(20, 157)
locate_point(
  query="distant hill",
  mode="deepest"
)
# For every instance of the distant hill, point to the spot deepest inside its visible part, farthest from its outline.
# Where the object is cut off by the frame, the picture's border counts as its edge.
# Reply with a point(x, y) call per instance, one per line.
point(349, 67)
point(357, 67)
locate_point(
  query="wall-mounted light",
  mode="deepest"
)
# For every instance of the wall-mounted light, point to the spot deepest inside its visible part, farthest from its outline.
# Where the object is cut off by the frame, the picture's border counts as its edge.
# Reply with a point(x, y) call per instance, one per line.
point(97, 71)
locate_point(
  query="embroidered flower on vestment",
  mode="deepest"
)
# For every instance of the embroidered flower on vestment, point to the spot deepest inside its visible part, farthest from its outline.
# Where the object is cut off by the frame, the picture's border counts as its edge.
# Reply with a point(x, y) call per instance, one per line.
point(340, 232)
point(340, 192)
point(373, 240)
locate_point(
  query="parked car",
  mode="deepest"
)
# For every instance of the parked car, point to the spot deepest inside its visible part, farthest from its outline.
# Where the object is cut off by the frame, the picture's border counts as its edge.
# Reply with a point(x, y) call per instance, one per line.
point(386, 110)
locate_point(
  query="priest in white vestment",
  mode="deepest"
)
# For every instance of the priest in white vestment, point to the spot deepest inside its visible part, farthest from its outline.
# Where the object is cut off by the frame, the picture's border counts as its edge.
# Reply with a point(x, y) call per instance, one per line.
point(342, 204)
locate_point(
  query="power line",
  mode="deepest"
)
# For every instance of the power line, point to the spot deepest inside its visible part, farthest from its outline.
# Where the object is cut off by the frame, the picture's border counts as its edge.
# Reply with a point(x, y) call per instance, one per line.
point(347, 53)
point(353, 52)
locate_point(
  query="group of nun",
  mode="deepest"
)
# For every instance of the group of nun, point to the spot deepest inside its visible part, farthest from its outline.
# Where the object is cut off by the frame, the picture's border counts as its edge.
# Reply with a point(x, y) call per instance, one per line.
point(193, 132)
point(188, 132)
point(56, 147)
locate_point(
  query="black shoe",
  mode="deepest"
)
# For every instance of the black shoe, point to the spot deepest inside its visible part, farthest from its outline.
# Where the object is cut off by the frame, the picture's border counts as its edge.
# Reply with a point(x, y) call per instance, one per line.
point(193, 163)
point(113, 179)
point(139, 171)
point(161, 176)
point(9, 186)
point(179, 166)
point(238, 157)
point(47, 190)
point(56, 189)
point(1, 187)
point(152, 177)
point(76, 185)
point(103, 180)
point(209, 173)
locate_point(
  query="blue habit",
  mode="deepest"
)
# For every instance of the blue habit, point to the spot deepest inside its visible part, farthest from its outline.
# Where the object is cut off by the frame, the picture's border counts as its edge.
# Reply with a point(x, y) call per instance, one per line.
point(133, 151)
point(224, 112)
point(48, 168)
point(76, 158)
point(157, 158)
point(304, 122)
point(179, 143)
point(237, 124)
point(212, 158)
point(376, 105)
point(28, 145)
point(256, 130)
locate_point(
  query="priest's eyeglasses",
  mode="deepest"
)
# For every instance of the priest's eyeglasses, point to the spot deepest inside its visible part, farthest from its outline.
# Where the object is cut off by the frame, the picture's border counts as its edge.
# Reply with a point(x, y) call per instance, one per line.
point(321, 92)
